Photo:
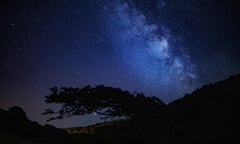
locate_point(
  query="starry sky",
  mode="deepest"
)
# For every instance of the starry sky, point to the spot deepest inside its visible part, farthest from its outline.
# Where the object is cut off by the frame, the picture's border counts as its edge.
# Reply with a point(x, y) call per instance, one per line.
point(163, 48)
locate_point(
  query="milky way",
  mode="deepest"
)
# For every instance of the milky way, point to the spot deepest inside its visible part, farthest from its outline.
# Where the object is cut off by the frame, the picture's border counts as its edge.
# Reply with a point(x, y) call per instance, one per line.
point(146, 50)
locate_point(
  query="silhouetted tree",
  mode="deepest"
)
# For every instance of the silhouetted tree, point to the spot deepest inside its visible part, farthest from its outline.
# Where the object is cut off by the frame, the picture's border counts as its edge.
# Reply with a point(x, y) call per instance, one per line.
point(103, 100)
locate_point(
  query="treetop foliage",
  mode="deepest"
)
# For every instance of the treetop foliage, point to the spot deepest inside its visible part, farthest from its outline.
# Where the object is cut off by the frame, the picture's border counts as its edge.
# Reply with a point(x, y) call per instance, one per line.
point(103, 100)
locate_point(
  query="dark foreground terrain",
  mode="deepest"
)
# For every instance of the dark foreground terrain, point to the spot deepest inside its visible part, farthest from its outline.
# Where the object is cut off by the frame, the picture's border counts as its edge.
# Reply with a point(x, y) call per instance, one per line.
point(205, 116)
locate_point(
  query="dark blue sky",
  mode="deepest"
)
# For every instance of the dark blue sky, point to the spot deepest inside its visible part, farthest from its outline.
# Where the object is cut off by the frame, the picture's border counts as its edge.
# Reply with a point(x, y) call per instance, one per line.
point(159, 47)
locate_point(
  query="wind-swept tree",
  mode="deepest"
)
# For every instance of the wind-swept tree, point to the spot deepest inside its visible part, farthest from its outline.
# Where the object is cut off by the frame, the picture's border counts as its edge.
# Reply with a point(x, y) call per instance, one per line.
point(103, 100)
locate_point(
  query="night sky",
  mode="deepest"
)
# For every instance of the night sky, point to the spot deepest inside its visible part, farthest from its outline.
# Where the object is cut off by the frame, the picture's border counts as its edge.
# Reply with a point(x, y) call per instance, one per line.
point(163, 48)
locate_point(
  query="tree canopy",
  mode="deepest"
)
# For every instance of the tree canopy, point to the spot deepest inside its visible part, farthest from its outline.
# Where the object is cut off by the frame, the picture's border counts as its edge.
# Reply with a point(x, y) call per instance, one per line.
point(103, 100)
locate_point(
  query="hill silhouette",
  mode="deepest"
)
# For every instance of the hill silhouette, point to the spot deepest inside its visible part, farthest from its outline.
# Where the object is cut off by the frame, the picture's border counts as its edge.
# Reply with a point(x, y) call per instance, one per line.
point(205, 116)
point(16, 128)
